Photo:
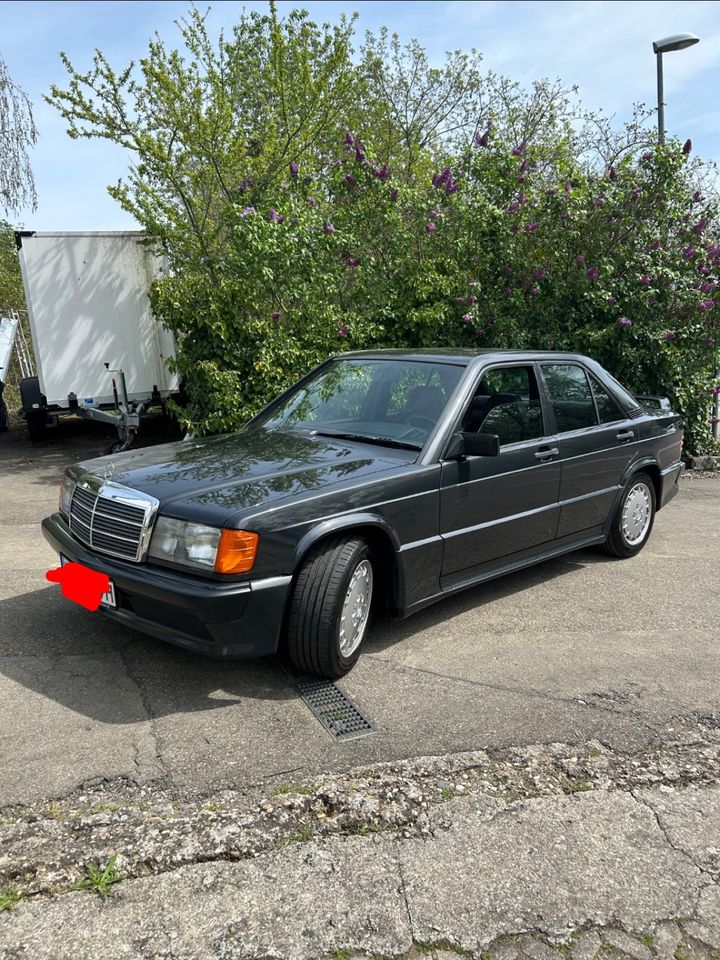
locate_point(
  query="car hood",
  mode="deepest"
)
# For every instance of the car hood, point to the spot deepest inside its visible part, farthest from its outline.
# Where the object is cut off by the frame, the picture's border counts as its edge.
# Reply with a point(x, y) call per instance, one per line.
point(216, 478)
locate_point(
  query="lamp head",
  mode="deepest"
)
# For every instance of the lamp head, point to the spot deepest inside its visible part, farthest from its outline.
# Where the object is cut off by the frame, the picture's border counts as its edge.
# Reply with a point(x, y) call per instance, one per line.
point(678, 41)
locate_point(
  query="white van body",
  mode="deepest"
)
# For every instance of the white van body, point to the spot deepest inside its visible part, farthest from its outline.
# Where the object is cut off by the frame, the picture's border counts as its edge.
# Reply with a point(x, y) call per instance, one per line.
point(89, 312)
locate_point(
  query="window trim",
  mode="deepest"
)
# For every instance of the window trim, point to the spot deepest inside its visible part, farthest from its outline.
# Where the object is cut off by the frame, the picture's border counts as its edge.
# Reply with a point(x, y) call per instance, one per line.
point(622, 413)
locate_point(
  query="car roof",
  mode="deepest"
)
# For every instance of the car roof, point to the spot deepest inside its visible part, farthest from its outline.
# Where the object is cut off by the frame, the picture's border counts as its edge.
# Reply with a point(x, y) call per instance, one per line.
point(458, 355)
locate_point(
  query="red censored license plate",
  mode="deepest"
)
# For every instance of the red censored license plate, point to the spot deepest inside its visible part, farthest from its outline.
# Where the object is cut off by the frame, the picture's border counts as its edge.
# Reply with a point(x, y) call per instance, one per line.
point(107, 599)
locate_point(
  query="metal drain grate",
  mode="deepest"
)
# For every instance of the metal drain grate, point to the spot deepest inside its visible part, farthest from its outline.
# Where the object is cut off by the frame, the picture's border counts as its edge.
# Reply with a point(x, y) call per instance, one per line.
point(334, 709)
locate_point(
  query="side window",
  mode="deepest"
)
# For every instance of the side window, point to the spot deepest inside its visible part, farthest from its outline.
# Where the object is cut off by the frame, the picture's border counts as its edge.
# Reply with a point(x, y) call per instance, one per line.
point(570, 395)
point(506, 403)
point(607, 408)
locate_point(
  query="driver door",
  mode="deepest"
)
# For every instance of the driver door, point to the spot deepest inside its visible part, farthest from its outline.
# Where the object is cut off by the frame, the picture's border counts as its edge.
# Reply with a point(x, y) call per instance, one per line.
point(494, 507)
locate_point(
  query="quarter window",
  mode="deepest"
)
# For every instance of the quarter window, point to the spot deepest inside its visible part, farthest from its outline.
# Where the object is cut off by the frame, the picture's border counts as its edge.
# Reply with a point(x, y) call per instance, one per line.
point(506, 403)
point(570, 395)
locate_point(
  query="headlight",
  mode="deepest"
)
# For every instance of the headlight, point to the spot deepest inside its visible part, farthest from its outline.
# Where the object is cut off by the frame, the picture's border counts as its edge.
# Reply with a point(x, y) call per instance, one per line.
point(67, 488)
point(208, 548)
point(190, 544)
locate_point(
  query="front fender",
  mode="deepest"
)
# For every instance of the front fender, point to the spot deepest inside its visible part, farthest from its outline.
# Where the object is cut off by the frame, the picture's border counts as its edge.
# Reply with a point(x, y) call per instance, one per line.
point(348, 522)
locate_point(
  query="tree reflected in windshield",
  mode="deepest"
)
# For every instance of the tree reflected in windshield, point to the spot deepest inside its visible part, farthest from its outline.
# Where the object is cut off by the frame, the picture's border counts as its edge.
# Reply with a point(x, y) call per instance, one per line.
point(390, 400)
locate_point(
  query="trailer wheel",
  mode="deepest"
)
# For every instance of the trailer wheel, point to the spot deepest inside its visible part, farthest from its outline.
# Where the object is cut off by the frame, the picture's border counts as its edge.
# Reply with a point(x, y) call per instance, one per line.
point(120, 446)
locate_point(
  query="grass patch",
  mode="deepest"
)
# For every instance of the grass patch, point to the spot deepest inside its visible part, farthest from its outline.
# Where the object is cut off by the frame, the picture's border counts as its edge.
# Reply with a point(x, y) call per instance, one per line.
point(648, 939)
point(284, 788)
point(342, 953)
point(106, 808)
point(99, 880)
point(596, 752)
point(10, 897)
point(575, 785)
point(447, 793)
point(303, 835)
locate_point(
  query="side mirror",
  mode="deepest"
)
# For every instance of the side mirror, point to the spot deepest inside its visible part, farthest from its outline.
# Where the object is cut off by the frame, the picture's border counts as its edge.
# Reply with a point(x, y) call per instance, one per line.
point(473, 445)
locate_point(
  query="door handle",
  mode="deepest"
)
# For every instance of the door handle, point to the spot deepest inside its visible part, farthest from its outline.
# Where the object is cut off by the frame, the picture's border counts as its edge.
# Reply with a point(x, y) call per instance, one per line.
point(625, 435)
point(544, 453)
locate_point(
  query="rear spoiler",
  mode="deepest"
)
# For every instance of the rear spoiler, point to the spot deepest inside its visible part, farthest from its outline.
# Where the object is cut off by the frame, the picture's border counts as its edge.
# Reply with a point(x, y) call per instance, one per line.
point(654, 403)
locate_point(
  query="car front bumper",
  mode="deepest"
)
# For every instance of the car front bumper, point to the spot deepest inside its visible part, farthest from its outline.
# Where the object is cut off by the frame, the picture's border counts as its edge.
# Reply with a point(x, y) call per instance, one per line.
point(220, 619)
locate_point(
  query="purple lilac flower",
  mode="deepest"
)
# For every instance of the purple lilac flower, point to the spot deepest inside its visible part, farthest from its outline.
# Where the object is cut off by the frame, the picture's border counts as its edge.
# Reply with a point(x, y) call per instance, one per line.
point(523, 167)
point(624, 322)
point(706, 305)
point(394, 193)
point(568, 187)
point(350, 180)
point(635, 192)
point(348, 140)
point(600, 202)
point(703, 268)
point(359, 153)
point(329, 228)
point(540, 273)
point(276, 314)
point(645, 280)
point(648, 155)
point(294, 169)
point(612, 173)
point(655, 245)
point(700, 225)
point(382, 173)
point(687, 146)
point(531, 227)
point(482, 141)
point(534, 291)
point(451, 187)
point(713, 252)
point(611, 301)
point(353, 261)
point(430, 227)
point(274, 216)
point(592, 273)
point(709, 342)
point(689, 252)
point(312, 202)
point(513, 207)
point(697, 197)
point(467, 318)
point(246, 211)
point(580, 260)
point(519, 150)
point(343, 331)
point(434, 214)
point(249, 181)
point(708, 286)
point(669, 335)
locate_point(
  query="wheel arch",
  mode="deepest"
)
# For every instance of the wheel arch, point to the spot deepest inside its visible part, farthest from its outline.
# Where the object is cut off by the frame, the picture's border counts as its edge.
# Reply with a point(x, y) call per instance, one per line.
point(652, 469)
point(380, 535)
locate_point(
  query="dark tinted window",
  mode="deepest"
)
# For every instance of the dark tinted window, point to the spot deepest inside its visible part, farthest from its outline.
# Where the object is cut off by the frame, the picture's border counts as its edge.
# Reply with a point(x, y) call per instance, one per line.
point(506, 403)
point(607, 409)
point(570, 396)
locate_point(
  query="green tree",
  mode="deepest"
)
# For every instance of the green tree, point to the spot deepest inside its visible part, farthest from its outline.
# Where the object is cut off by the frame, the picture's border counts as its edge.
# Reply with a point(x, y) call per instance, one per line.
point(17, 135)
point(11, 287)
point(311, 199)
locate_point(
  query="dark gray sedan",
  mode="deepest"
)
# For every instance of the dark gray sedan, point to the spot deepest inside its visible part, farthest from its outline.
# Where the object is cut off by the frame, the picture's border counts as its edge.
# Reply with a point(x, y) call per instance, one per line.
point(381, 479)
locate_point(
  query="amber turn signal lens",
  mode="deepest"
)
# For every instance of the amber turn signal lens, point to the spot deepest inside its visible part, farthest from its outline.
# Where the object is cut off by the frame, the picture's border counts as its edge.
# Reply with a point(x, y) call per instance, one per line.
point(236, 551)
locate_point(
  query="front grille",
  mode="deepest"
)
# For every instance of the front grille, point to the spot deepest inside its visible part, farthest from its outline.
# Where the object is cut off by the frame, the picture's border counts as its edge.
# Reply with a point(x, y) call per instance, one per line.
point(108, 524)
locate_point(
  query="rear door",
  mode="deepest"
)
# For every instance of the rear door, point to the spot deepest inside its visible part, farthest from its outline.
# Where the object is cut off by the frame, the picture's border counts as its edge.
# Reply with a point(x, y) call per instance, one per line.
point(597, 444)
point(492, 507)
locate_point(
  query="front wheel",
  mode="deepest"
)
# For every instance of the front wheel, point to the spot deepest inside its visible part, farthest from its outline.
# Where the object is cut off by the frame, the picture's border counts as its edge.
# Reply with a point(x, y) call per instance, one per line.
point(633, 519)
point(330, 607)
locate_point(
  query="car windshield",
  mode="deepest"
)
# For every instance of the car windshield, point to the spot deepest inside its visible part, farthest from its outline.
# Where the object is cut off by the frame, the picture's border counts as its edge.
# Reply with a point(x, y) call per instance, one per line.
point(397, 402)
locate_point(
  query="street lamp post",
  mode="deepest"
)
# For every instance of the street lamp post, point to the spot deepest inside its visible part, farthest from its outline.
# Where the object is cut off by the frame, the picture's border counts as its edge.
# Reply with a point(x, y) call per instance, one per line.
point(677, 42)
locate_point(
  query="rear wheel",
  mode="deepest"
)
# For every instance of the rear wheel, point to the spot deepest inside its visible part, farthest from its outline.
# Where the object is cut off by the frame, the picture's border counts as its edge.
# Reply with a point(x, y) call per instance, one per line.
point(330, 607)
point(633, 519)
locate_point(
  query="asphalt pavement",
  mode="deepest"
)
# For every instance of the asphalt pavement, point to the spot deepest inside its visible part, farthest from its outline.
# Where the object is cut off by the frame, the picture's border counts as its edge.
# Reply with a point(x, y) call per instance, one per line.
point(580, 648)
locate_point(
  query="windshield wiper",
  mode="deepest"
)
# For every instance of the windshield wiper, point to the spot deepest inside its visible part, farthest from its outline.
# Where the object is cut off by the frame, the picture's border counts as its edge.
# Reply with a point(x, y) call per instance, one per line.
point(364, 438)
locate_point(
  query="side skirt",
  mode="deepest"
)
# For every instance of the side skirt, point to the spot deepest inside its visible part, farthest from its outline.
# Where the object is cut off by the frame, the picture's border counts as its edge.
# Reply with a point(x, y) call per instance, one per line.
point(510, 565)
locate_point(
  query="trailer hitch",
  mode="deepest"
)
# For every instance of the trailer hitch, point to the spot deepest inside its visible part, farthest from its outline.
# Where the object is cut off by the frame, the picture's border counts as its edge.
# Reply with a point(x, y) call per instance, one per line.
point(125, 418)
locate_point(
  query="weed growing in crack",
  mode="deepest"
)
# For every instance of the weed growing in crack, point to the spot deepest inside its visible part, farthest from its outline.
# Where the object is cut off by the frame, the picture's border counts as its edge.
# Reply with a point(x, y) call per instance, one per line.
point(99, 880)
point(10, 897)
point(302, 835)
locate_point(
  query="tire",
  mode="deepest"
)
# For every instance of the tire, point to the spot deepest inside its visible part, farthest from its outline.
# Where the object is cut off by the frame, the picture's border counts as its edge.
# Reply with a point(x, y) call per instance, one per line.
point(33, 405)
point(4, 418)
point(318, 639)
point(633, 519)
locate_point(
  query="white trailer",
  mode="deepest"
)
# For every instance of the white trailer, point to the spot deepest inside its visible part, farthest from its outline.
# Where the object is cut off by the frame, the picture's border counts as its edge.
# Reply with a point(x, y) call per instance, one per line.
point(90, 318)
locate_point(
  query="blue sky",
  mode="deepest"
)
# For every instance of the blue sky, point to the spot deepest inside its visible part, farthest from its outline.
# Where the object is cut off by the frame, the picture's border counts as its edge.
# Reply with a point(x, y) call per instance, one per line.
point(604, 46)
